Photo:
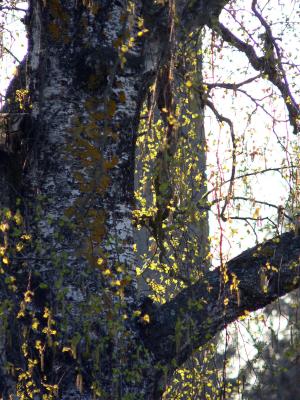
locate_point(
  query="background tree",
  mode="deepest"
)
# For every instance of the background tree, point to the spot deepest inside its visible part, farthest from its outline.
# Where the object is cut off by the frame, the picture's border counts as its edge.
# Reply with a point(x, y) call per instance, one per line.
point(73, 323)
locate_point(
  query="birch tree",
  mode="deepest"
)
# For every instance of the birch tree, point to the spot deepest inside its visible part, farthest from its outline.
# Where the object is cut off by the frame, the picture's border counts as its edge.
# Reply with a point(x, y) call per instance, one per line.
point(73, 325)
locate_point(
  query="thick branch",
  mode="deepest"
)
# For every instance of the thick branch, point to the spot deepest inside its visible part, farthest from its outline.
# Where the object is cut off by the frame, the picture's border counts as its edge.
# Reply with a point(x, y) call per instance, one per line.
point(264, 273)
point(195, 14)
point(191, 14)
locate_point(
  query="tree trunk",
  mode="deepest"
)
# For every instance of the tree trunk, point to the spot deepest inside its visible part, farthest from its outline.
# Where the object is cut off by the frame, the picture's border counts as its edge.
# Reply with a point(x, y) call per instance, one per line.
point(74, 288)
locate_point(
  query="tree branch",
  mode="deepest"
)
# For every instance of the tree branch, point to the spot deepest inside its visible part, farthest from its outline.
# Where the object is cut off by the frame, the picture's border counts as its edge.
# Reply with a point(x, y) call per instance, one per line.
point(270, 66)
point(199, 312)
point(228, 121)
point(231, 86)
point(12, 54)
point(192, 14)
point(12, 8)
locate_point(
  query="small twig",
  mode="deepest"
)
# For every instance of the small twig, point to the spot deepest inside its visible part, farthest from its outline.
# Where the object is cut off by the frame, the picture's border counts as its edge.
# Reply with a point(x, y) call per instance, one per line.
point(278, 169)
point(231, 86)
point(254, 219)
point(9, 52)
point(228, 121)
point(12, 8)
point(265, 203)
point(254, 232)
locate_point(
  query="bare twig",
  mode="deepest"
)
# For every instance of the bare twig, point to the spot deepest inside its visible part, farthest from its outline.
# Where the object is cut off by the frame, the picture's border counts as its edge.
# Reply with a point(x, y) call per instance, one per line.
point(253, 173)
point(228, 121)
point(232, 86)
point(12, 54)
point(269, 66)
point(12, 8)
